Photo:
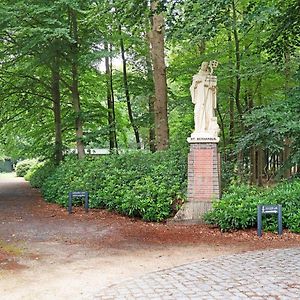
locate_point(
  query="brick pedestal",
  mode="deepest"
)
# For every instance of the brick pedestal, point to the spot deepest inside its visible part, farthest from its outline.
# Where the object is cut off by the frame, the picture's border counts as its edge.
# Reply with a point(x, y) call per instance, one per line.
point(203, 181)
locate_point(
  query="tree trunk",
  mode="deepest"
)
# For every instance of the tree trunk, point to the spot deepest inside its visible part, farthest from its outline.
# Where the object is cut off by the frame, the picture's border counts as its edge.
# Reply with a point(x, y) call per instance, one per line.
point(110, 104)
point(253, 166)
point(75, 80)
point(55, 91)
point(151, 97)
point(125, 81)
point(238, 80)
point(237, 64)
point(222, 130)
point(287, 87)
point(287, 71)
point(113, 101)
point(231, 91)
point(260, 166)
point(159, 76)
point(286, 155)
point(240, 164)
point(152, 144)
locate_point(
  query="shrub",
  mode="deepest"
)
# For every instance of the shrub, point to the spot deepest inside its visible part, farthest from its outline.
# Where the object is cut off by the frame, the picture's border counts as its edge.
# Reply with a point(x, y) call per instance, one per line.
point(23, 166)
point(137, 184)
point(38, 173)
point(238, 207)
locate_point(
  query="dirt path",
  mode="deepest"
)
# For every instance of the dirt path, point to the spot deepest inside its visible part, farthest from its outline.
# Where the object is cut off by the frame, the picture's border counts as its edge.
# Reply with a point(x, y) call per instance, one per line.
point(47, 254)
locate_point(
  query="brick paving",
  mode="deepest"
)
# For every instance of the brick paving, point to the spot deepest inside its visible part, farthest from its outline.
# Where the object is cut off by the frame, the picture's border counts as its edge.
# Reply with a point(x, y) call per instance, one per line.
point(272, 274)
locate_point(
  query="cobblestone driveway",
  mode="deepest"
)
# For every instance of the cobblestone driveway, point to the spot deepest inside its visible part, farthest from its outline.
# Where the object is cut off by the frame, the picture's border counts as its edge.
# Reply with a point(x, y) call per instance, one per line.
point(271, 274)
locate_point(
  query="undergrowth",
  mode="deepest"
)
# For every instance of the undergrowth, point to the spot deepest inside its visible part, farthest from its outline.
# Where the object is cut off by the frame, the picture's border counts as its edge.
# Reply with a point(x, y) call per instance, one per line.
point(137, 184)
point(238, 207)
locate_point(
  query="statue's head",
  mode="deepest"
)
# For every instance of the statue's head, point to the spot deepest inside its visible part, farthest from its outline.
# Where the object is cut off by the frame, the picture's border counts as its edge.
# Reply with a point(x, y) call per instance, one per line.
point(204, 67)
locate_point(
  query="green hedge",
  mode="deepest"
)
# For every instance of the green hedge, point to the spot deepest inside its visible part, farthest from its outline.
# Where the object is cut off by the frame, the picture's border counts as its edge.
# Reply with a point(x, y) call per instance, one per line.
point(238, 207)
point(24, 166)
point(138, 184)
point(38, 173)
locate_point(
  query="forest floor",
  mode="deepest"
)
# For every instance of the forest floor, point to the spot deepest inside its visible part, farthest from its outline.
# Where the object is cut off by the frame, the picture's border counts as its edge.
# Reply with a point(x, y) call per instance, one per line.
point(47, 254)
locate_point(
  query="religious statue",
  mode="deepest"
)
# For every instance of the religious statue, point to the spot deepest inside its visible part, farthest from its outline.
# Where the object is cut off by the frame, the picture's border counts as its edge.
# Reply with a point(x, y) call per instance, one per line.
point(204, 96)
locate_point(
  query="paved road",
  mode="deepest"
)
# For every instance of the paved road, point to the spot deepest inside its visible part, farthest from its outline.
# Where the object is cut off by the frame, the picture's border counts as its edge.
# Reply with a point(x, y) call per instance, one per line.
point(273, 274)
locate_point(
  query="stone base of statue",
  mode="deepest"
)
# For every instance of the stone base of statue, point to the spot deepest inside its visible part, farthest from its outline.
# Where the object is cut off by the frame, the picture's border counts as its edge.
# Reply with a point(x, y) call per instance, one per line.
point(203, 178)
point(203, 160)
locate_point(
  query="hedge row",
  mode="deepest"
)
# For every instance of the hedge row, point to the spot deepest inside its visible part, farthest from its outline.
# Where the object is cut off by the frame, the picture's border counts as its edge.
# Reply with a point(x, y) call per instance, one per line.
point(24, 166)
point(238, 207)
point(39, 172)
point(136, 184)
point(146, 185)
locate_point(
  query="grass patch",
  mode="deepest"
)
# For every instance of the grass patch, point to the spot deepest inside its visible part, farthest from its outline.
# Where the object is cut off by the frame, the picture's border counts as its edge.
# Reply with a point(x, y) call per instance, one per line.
point(10, 249)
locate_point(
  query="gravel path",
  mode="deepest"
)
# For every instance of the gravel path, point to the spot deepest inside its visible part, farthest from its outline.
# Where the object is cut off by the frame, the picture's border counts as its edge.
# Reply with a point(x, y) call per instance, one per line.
point(45, 253)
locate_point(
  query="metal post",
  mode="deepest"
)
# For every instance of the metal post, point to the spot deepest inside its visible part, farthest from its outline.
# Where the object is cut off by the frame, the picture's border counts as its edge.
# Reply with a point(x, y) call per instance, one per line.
point(280, 219)
point(70, 203)
point(259, 220)
point(86, 203)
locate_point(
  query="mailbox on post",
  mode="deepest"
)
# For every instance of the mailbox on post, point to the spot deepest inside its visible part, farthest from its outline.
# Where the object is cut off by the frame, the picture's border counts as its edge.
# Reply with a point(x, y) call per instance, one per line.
point(84, 195)
point(269, 209)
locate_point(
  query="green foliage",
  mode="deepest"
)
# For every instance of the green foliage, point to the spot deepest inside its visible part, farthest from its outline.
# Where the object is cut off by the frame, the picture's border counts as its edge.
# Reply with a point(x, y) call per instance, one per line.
point(238, 207)
point(38, 173)
point(285, 26)
point(136, 184)
point(257, 106)
point(24, 166)
point(35, 34)
point(272, 126)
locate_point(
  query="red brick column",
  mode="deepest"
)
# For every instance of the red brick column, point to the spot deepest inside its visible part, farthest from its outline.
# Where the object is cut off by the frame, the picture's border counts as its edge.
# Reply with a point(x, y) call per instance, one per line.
point(203, 181)
point(203, 173)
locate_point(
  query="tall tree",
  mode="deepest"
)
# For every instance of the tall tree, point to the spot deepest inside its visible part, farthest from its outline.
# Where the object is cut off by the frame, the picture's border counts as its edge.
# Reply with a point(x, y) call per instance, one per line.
point(56, 98)
point(74, 86)
point(110, 102)
point(157, 36)
point(127, 95)
point(151, 99)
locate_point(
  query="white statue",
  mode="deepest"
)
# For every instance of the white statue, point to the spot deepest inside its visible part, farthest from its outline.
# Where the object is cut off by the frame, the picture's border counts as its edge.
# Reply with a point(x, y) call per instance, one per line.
point(204, 96)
